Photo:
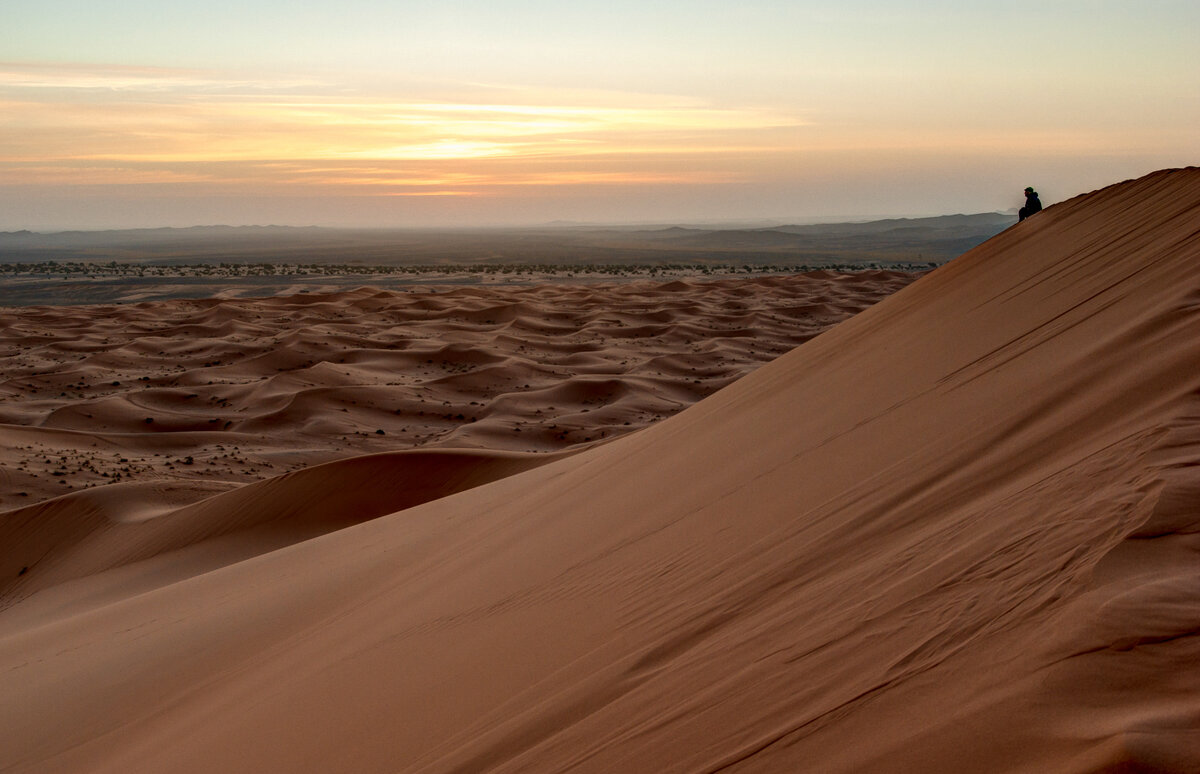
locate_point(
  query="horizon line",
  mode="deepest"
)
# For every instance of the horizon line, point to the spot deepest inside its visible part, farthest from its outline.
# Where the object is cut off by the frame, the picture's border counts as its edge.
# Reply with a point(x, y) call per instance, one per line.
point(763, 222)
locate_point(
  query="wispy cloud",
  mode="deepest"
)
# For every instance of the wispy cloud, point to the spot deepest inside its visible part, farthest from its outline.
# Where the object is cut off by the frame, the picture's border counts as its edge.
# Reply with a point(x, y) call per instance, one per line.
point(133, 124)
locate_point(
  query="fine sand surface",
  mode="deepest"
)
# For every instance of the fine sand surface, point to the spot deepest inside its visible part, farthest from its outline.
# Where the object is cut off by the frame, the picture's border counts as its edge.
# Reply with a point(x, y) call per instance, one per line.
point(957, 532)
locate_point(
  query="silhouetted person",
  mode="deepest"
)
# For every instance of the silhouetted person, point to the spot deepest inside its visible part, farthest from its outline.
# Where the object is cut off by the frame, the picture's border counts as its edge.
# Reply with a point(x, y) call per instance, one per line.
point(1032, 204)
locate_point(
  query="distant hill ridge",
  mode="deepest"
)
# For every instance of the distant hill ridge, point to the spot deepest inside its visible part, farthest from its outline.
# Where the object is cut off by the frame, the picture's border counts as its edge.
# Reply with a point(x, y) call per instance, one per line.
point(935, 239)
point(937, 221)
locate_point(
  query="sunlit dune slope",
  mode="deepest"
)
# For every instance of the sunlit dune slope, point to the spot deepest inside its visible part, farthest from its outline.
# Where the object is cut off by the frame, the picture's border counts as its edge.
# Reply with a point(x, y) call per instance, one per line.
point(958, 532)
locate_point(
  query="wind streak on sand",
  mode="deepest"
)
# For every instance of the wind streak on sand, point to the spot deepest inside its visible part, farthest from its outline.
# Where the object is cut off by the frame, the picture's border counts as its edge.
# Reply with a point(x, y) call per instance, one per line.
point(957, 532)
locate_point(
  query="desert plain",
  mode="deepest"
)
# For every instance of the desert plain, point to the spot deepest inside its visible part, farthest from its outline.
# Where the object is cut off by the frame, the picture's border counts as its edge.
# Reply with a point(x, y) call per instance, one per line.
point(834, 522)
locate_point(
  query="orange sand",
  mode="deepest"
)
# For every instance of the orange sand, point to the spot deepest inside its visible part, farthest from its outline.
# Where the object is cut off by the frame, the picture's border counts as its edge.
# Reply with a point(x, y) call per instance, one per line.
point(206, 395)
point(957, 532)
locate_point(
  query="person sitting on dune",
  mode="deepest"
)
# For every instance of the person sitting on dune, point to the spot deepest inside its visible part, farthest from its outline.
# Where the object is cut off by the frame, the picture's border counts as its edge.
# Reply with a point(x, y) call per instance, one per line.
point(1032, 204)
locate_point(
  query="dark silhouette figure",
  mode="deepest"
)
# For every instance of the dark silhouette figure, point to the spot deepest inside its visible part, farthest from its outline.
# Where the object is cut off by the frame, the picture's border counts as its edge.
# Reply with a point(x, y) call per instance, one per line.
point(1032, 204)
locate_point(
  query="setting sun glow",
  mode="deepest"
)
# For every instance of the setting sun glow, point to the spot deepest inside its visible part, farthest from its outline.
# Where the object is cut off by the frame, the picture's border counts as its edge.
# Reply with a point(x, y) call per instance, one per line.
point(160, 117)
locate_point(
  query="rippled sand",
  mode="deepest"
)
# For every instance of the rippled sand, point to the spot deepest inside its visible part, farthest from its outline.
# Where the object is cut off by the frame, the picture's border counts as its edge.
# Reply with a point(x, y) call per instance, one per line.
point(229, 391)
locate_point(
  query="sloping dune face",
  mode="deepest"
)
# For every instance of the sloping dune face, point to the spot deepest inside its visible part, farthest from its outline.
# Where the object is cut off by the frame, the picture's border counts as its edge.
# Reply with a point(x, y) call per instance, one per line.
point(958, 532)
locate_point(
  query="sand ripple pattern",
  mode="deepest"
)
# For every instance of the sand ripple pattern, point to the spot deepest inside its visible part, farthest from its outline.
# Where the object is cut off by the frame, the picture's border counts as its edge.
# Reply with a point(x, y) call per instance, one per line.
point(240, 390)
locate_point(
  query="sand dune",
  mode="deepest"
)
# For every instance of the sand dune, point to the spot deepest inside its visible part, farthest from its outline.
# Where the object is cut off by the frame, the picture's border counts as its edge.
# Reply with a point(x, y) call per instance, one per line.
point(236, 391)
point(79, 536)
point(957, 532)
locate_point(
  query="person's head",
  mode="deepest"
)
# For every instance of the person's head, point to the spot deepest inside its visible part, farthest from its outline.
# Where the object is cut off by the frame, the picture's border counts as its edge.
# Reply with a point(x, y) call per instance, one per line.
point(1029, 191)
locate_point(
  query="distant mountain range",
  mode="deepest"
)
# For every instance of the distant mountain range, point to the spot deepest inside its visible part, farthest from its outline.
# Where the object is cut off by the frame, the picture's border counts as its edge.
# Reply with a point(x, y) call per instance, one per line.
point(932, 240)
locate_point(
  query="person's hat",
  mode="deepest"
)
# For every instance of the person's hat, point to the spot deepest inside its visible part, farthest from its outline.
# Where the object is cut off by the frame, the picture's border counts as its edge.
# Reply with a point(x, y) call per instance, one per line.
point(1029, 189)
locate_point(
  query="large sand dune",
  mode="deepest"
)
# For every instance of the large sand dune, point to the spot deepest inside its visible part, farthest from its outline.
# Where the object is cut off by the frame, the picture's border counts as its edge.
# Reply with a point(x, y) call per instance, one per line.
point(957, 532)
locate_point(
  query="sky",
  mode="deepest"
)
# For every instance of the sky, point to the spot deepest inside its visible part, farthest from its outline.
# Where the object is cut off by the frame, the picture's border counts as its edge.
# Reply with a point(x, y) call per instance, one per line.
point(144, 113)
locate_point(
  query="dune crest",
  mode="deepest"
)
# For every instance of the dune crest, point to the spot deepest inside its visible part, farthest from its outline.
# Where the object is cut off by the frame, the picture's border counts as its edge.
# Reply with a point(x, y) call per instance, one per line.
point(955, 533)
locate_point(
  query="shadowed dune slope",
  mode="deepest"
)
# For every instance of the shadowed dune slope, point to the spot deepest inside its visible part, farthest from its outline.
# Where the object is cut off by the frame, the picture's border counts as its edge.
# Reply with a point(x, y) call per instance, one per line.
point(53, 544)
point(958, 532)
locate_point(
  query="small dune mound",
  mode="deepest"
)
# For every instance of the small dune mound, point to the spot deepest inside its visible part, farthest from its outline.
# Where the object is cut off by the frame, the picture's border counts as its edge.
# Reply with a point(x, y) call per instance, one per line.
point(96, 531)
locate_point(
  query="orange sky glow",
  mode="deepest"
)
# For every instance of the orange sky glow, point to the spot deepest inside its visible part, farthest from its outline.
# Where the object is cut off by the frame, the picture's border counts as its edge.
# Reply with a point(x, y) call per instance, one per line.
point(860, 111)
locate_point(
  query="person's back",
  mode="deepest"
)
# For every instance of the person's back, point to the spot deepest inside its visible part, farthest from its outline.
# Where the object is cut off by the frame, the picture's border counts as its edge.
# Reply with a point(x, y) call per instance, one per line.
point(1032, 204)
